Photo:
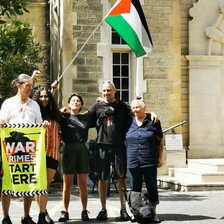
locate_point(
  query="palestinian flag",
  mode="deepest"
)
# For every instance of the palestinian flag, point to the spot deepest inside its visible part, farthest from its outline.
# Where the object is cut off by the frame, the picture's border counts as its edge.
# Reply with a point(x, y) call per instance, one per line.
point(128, 20)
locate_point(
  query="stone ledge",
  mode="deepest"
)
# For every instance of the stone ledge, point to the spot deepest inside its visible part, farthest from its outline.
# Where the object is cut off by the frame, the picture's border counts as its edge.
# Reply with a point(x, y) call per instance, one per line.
point(166, 182)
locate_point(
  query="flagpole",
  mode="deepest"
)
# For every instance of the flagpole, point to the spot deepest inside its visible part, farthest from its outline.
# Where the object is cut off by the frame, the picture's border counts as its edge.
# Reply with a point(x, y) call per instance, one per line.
point(76, 55)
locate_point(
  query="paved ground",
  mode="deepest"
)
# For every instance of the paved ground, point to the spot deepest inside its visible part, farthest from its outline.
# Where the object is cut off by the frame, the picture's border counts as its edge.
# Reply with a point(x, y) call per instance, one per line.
point(175, 207)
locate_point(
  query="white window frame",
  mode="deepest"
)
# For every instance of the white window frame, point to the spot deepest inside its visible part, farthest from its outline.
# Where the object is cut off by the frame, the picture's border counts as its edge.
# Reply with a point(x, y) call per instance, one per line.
point(137, 85)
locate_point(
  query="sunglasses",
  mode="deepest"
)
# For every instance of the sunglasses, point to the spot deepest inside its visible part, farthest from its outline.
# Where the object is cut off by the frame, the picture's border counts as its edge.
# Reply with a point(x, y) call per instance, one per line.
point(109, 82)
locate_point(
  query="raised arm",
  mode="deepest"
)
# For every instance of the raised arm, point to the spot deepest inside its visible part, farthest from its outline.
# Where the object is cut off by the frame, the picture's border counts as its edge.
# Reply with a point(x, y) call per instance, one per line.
point(54, 87)
point(35, 74)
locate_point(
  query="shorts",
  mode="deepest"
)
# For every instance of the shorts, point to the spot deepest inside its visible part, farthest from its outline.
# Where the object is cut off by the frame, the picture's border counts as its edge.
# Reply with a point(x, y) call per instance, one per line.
point(75, 159)
point(107, 154)
point(51, 163)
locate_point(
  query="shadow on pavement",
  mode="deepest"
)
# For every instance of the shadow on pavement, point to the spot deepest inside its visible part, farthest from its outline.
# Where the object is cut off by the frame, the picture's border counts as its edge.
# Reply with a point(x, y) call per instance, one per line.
point(182, 217)
point(163, 217)
point(182, 197)
point(109, 220)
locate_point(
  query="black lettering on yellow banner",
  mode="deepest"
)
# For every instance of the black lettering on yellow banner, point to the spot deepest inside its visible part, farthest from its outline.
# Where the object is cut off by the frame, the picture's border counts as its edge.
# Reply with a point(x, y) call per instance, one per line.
point(29, 178)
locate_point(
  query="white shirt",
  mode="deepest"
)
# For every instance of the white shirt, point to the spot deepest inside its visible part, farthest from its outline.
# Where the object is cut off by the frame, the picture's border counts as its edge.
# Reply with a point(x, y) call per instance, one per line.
point(14, 112)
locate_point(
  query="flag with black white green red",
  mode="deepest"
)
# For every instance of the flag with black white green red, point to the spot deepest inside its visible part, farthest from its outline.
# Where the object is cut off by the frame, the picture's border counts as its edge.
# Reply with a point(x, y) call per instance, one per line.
point(126, 17)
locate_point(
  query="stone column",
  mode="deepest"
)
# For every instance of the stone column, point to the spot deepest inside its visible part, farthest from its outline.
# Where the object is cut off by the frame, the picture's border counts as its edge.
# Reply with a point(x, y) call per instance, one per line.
point(69, 47)
point(206, 102)
point(206, 79)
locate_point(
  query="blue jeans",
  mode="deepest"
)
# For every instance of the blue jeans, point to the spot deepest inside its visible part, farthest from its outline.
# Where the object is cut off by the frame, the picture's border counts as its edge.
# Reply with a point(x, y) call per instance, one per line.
point(150, 178)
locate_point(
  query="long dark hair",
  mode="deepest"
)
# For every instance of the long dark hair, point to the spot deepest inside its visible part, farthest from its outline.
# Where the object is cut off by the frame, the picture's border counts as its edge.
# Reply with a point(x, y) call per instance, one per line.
point(51, 111)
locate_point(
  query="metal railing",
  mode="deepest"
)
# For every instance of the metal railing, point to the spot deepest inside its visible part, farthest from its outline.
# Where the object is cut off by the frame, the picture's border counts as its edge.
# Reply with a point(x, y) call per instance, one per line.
point(174, 126)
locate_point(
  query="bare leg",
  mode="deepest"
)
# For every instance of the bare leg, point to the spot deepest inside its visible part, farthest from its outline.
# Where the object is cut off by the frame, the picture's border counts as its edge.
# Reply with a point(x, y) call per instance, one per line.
point(156, 217)
point(50, 175)
point(121, 186)
point(67, 188)
point(154, 209)
point(43, 202)
point(37, 198)
point(42, 199)
point(83, 191)
point(5, 204)
point(102, 188)
point(27, 200)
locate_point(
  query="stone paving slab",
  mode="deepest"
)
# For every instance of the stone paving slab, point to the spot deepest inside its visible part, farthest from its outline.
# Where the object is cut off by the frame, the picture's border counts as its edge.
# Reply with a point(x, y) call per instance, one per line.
point(205, 207)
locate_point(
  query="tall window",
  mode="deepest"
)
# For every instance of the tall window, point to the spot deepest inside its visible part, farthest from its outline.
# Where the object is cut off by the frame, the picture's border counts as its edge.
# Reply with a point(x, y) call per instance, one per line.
point(121, 75)
point(116, 39)
point(119, 63)
point(121, 68)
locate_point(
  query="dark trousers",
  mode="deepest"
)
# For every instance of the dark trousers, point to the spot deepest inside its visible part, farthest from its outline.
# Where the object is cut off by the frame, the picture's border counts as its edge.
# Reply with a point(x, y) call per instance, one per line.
point(150, 177)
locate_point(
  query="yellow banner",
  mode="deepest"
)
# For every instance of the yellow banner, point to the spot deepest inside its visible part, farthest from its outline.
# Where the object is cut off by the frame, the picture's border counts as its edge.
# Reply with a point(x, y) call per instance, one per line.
point(24, 161)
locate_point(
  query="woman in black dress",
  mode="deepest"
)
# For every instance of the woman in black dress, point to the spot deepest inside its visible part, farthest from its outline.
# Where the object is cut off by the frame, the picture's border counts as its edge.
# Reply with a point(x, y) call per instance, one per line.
point(75, 160)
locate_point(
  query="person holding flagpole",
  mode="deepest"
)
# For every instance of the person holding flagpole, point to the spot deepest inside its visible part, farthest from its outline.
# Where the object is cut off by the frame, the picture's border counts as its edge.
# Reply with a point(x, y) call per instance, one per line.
point(75, 158)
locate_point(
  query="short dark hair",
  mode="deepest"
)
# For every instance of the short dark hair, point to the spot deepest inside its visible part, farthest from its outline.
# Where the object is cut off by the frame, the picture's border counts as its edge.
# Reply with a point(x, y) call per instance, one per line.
point(77, 95)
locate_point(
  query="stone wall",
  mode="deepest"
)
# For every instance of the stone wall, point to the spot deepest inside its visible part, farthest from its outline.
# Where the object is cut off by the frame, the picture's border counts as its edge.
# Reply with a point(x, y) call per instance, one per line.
point(89, 66)
point(165, 70)
point(37, 20)
point(206, 63)
point(170, 21)
point(185, 18)
point(83, 75)
point(162, 69)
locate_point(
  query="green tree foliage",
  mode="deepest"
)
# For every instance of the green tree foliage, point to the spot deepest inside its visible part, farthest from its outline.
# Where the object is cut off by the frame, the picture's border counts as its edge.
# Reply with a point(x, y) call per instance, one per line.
point(18, 54)
point(18, 51)
point(10, 8)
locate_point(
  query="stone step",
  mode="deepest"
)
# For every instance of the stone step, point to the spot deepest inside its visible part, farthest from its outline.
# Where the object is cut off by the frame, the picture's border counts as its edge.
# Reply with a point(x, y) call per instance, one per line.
point(167, 182)
point(200, 174)
point(207, 165)
point(191, 175)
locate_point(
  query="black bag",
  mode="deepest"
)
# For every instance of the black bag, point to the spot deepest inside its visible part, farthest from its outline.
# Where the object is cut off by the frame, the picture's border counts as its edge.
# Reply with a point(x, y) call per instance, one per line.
point(139, 206)
point(92, 163)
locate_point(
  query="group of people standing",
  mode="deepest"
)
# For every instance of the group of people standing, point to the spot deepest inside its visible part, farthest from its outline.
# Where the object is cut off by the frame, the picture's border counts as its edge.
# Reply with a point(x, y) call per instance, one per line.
point(127, 136)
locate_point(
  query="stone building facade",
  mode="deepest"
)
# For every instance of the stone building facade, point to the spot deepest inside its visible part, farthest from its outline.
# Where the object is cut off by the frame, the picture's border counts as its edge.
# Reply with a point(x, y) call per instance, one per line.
point(37, 17)
point(161, 78)
point(180, 80)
